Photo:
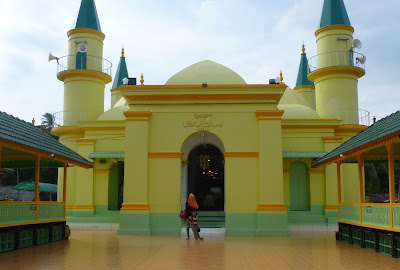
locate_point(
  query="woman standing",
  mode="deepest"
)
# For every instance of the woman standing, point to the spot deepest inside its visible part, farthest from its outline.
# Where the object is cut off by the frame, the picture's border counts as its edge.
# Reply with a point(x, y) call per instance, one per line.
point(191, 205)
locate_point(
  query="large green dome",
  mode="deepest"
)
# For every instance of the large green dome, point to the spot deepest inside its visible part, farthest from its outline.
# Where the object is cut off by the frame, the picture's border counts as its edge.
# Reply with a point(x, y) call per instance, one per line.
point(205, 72)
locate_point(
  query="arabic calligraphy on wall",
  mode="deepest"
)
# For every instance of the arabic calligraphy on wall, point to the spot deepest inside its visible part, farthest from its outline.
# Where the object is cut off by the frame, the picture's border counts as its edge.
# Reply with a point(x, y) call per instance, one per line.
point(202, 122)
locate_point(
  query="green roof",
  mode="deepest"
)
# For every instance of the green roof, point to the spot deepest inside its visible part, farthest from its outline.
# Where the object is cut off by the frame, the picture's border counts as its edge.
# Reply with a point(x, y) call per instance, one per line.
point(122, 72)
point(302, 79)
point(18, 131)
point(334, 12)
point(303, 154)
point(87, 16)
point(107, 155)
point(382, 128)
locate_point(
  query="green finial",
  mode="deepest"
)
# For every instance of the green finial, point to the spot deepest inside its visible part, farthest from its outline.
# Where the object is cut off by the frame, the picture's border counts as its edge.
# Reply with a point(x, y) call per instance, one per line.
point(87, 16)
point(334, 12)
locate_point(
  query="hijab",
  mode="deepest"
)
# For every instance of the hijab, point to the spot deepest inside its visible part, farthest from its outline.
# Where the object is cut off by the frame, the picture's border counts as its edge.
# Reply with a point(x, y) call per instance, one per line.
point(192, 201)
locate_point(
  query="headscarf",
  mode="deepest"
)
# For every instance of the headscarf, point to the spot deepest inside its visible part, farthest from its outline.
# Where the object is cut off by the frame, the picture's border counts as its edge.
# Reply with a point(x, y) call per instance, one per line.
point(192, 201)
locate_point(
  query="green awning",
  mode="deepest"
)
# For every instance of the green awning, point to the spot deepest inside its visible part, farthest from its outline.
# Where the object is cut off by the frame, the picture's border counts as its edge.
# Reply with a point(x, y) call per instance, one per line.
point(107, 155)
point(303, 154)
point(43, 187)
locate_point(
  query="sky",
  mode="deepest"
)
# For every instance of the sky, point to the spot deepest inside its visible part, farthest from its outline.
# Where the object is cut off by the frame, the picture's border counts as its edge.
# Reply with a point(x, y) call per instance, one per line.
point(256, 39)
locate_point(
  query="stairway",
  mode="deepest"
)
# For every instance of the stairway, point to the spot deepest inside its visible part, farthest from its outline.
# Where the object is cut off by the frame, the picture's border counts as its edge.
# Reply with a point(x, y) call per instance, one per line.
point(211, 219)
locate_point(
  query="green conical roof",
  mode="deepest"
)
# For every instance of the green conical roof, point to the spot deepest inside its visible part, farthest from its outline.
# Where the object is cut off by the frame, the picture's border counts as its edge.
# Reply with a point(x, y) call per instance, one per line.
point(122, 72)
point(302, 79)
point(334, 12)
point(87, 16)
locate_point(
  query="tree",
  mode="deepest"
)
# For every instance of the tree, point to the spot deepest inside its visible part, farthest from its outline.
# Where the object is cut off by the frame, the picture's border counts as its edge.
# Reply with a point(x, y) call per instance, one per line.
point(48, 121)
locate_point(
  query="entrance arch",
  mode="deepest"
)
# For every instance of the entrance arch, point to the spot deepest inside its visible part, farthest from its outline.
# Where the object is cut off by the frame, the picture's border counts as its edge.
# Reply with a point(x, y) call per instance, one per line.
point(207, 179)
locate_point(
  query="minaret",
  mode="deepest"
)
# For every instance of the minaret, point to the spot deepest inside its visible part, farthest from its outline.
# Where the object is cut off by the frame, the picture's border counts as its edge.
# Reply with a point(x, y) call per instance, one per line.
point(305, 87)
point(84, 71)
point(336, 68)
point(122, 72)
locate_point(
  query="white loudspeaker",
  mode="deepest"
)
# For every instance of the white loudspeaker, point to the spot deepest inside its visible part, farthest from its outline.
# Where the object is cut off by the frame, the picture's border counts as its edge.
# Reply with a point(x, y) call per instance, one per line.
point(361, 59)
point(82, 47)
point(357, 43)
point(52, 57)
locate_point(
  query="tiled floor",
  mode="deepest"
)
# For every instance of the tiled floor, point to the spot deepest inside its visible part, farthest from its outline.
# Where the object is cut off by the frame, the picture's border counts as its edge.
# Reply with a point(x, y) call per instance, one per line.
point(107, 250)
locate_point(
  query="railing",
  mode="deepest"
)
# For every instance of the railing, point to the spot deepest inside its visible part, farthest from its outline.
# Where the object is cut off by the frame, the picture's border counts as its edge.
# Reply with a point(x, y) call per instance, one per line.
point(83, 61)
point(67, 118)
point(332, 59)
point(353, 116)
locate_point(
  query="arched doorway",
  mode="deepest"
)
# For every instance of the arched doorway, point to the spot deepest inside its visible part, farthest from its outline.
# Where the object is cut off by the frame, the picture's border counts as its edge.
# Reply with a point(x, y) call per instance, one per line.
point(206, 180)
point(299, 187)
point(206, 177)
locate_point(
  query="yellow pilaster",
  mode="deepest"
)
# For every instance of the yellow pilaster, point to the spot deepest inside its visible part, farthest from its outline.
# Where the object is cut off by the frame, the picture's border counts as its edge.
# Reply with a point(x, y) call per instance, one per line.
point(136, 155)
point(339, 187)
point(100, 185)
point(84, 177)
point(64, 199)
point(270, 169)
point(331, 188)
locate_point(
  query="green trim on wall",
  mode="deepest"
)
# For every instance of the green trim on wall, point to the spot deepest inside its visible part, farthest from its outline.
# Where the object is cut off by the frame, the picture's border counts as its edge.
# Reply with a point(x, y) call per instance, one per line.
point(272, 224)
point(165, 224)
point(134, 224)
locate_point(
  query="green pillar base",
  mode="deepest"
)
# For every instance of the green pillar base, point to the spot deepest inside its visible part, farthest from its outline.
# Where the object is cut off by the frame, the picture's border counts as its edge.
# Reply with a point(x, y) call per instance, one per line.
point(165, 224)
point(331, 216)
point(272, 224)
point(240, 224)
point(132, 223)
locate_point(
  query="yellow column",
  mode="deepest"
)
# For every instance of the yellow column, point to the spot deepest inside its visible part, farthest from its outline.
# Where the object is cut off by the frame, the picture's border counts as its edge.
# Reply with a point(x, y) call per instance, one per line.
point(136, 161)
point(360, 183)
point(84, 180)
point(392, 195)
point(135, 210)
point(331, 186)
point(270, 158)
point(100, 186)
point(271, 209)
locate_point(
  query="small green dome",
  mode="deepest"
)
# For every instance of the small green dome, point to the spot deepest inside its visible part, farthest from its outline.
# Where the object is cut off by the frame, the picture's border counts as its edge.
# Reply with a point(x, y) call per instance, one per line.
point(205, 72)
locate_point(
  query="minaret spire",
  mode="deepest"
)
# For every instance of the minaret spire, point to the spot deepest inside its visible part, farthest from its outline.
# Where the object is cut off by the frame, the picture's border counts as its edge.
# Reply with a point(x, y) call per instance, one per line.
point(122, 71)
point(87, 16)
point(334, 12)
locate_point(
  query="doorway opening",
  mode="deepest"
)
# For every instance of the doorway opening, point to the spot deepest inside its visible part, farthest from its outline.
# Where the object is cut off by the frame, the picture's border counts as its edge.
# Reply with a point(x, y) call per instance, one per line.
point(206, 177)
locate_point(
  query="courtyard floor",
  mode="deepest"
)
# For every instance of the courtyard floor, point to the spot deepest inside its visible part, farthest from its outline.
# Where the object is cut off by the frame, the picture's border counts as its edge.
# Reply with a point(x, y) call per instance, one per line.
point(107, 250)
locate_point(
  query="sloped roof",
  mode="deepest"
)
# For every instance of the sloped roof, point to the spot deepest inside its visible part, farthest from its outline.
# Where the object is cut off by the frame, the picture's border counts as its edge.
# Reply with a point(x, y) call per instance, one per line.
point(23, 133)
point(382, 128)
point(87, 16)
point(334, 12)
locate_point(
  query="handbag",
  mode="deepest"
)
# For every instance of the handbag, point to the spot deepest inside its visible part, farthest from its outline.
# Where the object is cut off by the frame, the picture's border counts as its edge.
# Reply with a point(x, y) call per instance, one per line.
point(182, 214)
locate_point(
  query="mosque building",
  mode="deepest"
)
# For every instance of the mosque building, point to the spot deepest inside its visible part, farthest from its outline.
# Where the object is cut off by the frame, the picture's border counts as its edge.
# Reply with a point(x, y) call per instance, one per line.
point(245, 150)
